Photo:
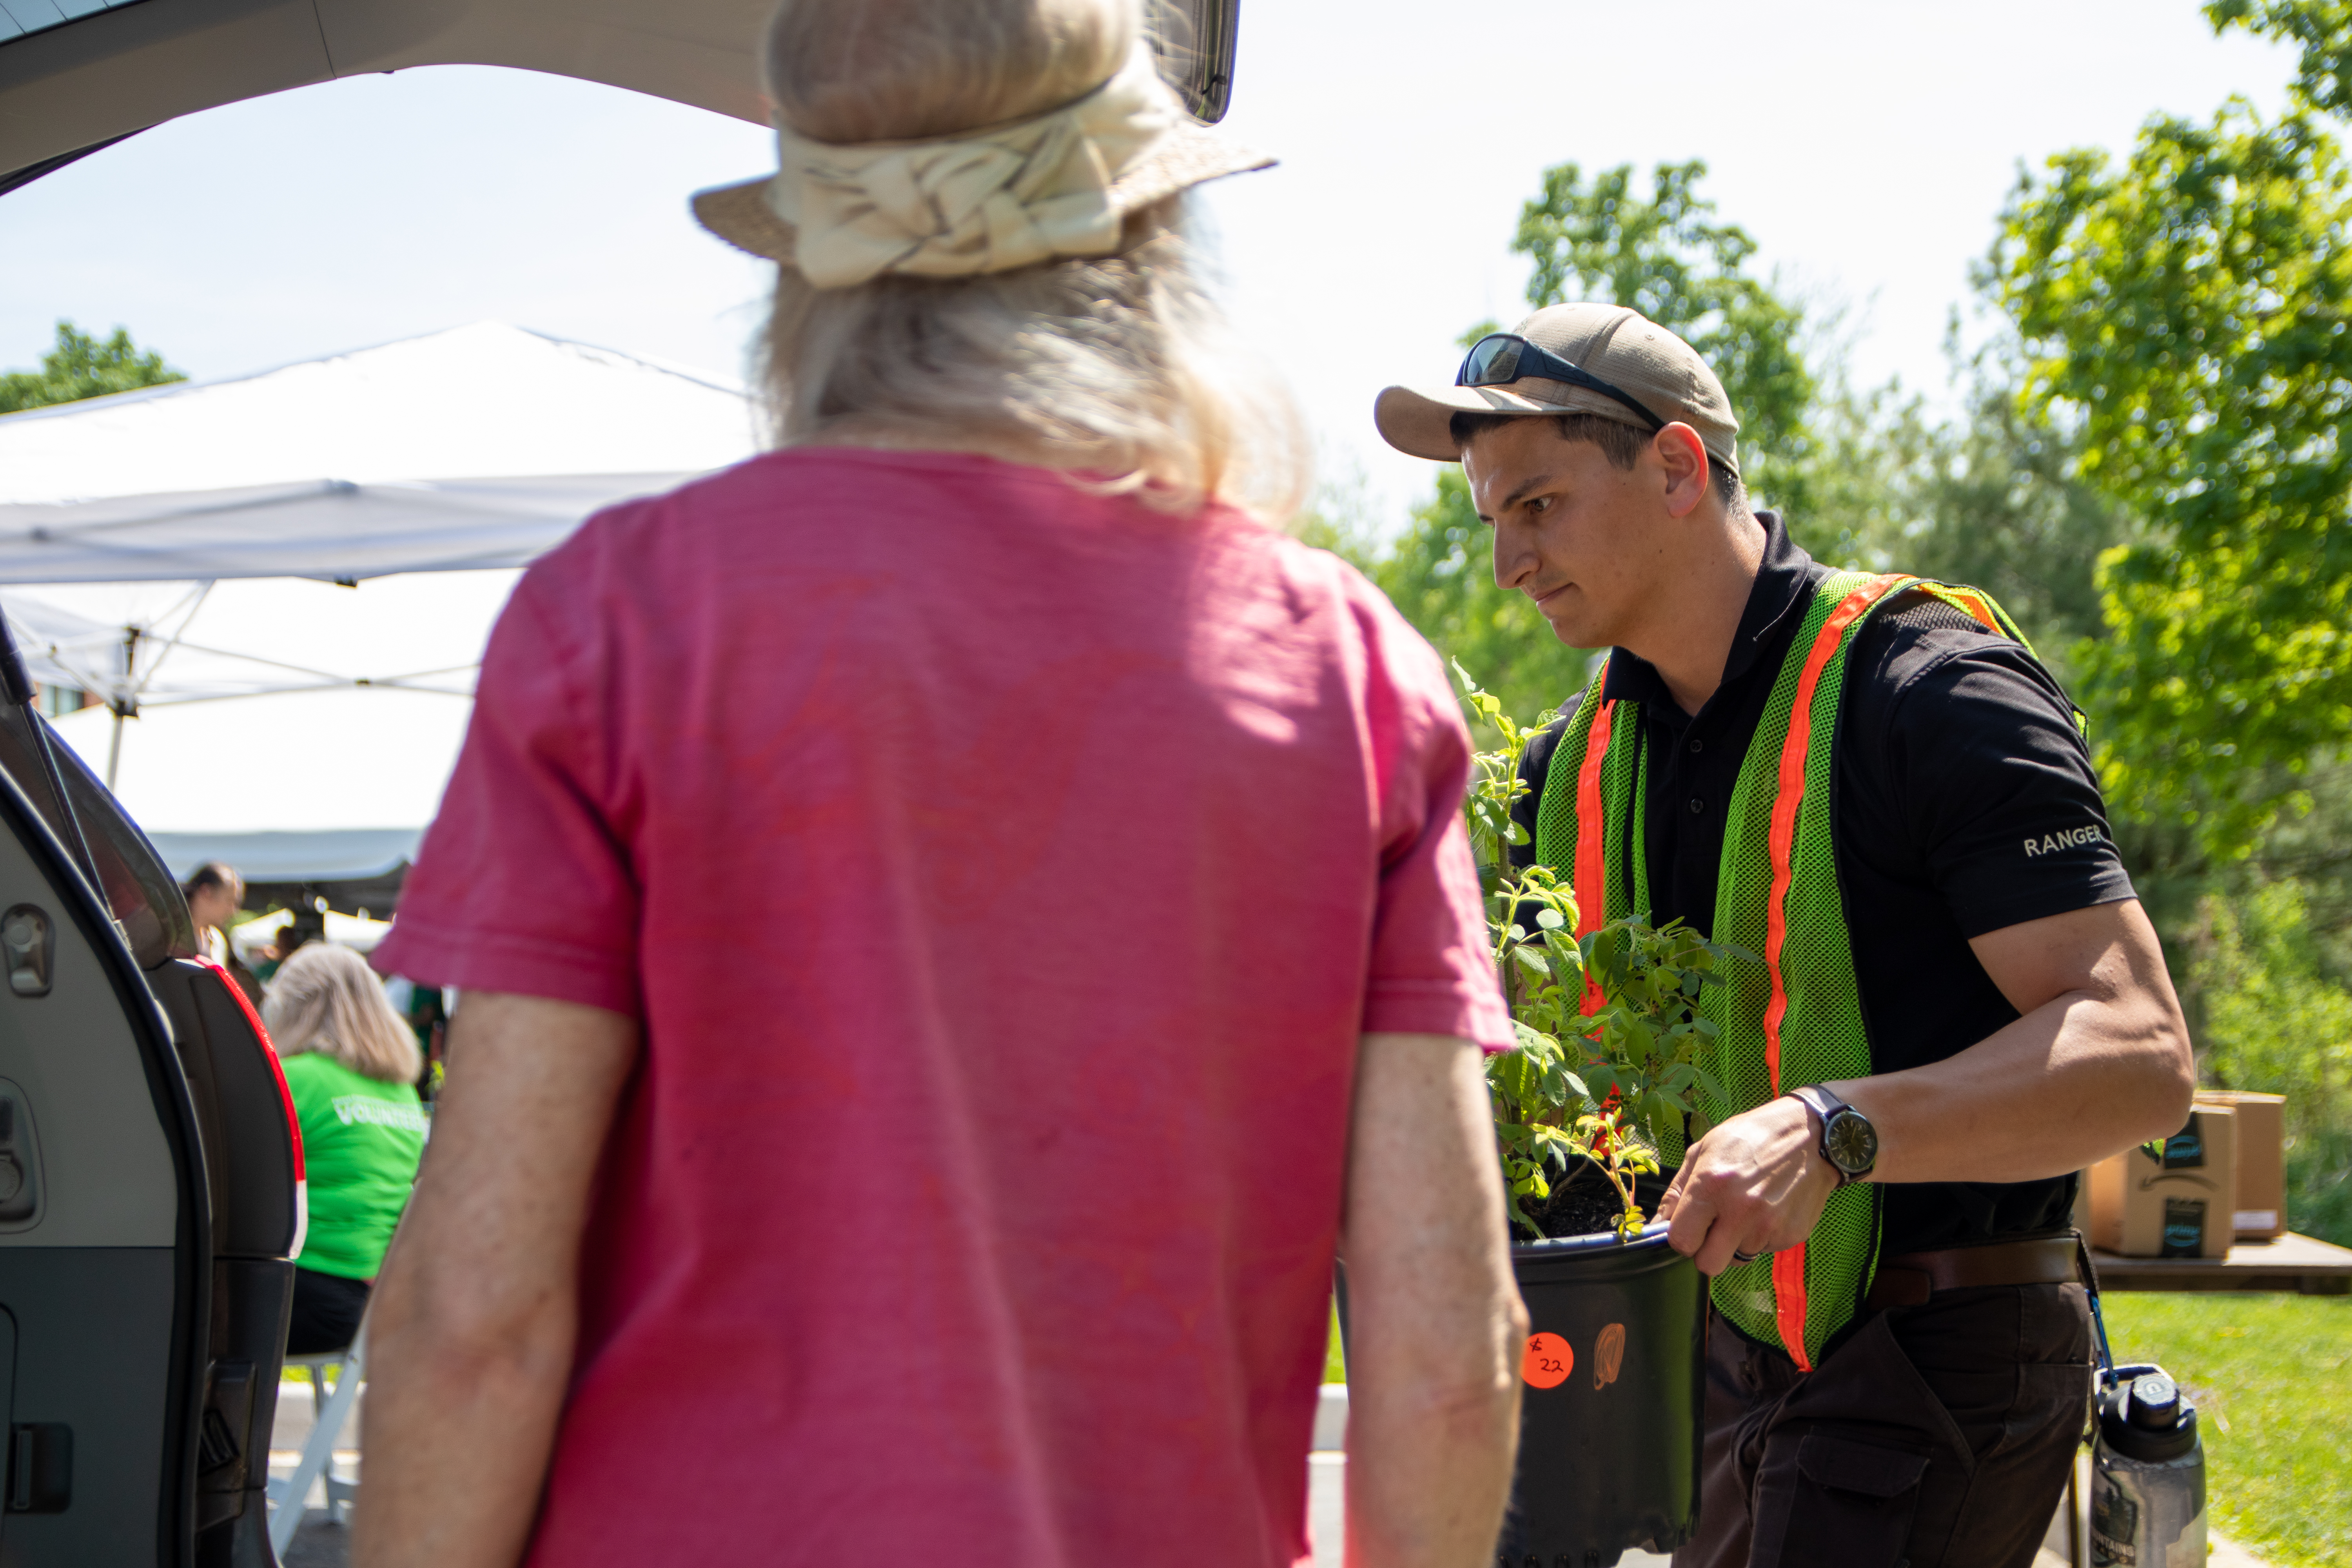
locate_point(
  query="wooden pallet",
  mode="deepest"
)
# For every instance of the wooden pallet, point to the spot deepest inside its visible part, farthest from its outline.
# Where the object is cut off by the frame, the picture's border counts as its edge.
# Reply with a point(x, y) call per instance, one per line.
point(2291, 1263)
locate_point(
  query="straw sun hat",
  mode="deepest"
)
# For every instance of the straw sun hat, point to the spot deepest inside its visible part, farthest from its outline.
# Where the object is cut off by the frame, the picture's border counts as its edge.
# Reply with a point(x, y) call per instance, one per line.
point(1055, 186)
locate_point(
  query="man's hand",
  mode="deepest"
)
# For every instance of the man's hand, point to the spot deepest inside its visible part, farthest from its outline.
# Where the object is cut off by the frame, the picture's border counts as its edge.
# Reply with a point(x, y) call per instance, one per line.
point(1754, 1184)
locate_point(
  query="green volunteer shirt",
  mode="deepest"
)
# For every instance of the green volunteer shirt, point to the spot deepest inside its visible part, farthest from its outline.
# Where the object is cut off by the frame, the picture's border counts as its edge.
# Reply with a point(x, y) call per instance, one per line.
point(361, 1142)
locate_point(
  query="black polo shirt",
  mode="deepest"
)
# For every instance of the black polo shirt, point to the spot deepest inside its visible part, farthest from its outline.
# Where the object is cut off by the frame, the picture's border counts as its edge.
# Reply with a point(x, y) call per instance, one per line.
point(1963, 801)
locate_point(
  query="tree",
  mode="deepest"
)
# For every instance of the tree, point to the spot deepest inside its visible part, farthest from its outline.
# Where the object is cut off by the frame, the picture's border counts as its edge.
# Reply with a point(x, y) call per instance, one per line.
point(2270, 1016)
point(1995, 499)
point(1665, 257)
point(81, 366)
point(2190, 315)
point(2324, 28)
point(2187, 318)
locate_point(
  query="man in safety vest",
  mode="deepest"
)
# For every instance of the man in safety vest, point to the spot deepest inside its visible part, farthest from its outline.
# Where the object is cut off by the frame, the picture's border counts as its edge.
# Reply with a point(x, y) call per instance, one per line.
point(1872, 785)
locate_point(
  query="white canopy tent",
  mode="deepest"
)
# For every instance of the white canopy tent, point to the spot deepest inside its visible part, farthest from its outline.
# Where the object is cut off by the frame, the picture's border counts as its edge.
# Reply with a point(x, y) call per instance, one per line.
point(336, 537)
point(474, 447)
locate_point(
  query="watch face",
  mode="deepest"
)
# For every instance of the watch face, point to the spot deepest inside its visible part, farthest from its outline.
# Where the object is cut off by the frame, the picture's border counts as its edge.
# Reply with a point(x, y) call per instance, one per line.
point(1851, 1142)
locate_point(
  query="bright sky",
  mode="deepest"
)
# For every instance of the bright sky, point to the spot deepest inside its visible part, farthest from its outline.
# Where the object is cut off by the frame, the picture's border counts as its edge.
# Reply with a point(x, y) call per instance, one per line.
point(1867, 145)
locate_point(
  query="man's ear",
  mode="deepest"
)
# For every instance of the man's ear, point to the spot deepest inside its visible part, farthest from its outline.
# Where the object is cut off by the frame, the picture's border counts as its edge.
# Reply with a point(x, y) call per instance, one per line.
point(1684, 457)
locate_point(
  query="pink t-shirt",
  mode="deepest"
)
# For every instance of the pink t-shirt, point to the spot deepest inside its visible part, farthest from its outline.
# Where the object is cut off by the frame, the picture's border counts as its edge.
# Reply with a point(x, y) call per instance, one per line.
point(1004, 874)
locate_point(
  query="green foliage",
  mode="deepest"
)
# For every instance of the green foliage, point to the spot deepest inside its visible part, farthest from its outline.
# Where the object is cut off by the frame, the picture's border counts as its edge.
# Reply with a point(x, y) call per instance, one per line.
point(2319, 1180)
point(2147, 475)
point(1663, 255)
point(2270, 1016)
point(1666, 257)
point(2323, 28)
point(1338, 517)
point(2188, 312)
point(1596, 1084)
point(1494, 782)
point(2273, 1020)
point(2268, 1376)
point(1995, 499)
point(82, 366)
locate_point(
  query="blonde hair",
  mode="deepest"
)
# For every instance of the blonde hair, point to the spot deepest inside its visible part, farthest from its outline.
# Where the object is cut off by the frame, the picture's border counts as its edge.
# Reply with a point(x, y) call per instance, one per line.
point(1119, 367)
point(326, 999)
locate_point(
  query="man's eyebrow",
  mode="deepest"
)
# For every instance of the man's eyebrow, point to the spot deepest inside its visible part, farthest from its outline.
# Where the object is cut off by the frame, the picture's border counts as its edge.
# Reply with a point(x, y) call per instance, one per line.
point(1516, 496)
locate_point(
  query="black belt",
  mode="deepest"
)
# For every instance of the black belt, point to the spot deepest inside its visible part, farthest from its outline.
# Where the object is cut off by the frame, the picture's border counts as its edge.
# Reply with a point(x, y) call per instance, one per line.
point(1909, 1278)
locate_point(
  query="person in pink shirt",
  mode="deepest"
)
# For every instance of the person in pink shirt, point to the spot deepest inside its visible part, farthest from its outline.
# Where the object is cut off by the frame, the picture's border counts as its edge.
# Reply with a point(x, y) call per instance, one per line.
point(959, 920)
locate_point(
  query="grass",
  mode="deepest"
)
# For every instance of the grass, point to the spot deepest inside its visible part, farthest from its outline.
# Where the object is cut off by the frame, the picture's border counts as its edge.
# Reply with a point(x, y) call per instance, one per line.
point(1335, 1360)
point(2268, 1375)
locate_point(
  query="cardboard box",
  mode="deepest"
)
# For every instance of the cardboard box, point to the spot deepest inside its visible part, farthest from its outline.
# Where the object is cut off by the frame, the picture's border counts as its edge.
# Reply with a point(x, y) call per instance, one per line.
point(2182, 1204)
point(2261, 1212)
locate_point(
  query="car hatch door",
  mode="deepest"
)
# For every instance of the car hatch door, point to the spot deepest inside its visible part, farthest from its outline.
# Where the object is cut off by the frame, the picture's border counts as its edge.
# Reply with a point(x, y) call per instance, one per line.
point(105, 1229)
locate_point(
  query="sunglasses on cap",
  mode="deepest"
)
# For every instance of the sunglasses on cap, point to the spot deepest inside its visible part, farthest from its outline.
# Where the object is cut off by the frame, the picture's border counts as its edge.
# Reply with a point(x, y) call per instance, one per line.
point(1500, 358)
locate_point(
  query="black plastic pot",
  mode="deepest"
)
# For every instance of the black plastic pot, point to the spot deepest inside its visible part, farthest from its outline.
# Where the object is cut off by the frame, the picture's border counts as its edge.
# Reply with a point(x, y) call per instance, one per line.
point(1609, 1414)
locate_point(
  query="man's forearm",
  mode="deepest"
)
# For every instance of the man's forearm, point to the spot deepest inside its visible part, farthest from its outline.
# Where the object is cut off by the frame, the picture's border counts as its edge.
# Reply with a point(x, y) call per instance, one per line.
point(2063, 1088)
point(2097, 1061)
point(2090, 1069)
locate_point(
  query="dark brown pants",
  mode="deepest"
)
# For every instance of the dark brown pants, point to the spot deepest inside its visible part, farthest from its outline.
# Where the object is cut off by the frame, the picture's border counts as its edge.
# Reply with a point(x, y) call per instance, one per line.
point(1937, 1437)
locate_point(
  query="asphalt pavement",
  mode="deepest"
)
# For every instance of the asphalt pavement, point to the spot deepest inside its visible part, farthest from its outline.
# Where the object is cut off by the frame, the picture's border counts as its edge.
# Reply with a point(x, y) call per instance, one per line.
point(322, 1544)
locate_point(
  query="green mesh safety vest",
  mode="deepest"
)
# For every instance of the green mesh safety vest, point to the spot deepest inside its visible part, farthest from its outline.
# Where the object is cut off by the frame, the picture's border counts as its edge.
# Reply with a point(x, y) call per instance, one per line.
point(1795, 1018)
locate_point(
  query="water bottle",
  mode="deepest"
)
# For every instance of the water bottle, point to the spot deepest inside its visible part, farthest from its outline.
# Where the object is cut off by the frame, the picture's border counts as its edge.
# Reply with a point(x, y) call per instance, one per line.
point(2147, 1464)
point(2147, 1473)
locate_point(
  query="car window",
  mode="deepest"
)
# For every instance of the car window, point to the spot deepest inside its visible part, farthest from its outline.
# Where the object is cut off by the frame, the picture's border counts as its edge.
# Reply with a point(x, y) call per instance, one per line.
point(139, 889)
point(20, 17)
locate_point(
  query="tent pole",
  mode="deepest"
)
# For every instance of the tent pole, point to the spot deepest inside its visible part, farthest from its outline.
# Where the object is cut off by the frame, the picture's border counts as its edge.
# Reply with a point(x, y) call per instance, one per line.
point(122, 703)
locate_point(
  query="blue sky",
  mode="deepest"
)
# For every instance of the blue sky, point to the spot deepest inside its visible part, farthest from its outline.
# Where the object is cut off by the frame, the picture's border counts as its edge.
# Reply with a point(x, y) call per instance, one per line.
point(1866, 145)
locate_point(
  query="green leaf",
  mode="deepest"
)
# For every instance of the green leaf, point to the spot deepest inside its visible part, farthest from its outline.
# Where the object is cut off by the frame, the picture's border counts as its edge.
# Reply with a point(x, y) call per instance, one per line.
point(82, 366)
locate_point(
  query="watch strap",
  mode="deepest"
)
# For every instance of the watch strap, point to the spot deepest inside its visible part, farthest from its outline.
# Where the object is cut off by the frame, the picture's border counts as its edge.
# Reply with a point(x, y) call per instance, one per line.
point(1823, 1100)
point(1825, 1103)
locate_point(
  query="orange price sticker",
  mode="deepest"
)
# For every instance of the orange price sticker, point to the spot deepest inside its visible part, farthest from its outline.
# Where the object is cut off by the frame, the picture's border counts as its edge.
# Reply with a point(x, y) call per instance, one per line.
point(1548, 1361)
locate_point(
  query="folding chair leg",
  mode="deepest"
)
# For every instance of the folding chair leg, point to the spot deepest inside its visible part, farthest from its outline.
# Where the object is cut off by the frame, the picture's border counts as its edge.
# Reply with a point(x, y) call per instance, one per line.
point(288, 1497)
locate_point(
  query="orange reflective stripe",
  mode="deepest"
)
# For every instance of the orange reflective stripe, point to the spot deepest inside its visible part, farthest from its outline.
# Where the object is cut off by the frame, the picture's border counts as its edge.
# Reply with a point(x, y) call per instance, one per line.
point(1790, 795)
point(1969, 602)
point(1592, 843)
point(1789, 1303)
point(1789, 1265)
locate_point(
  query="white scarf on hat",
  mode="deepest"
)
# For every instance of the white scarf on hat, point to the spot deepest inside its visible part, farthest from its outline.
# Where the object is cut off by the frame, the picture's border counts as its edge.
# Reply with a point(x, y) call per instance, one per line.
point(979, 202)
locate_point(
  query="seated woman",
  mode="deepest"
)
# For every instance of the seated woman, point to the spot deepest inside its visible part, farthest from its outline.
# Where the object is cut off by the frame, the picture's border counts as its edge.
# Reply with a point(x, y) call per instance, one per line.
point(352, 1065)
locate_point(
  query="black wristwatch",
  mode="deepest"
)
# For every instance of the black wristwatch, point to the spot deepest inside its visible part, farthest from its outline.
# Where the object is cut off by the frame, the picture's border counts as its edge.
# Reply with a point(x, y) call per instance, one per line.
point(1849, 1143)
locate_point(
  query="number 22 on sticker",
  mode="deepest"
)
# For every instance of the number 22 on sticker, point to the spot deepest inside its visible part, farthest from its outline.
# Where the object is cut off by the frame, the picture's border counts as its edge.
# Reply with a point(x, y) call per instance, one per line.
point(1547, 1362)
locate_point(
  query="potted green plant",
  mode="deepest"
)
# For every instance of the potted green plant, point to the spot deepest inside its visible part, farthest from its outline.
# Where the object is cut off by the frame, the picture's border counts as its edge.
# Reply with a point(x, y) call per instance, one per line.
point(1589, 1111)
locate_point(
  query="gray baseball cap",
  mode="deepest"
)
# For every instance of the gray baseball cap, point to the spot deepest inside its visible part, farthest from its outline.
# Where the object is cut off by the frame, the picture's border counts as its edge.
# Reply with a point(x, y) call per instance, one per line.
point(1619, 347)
